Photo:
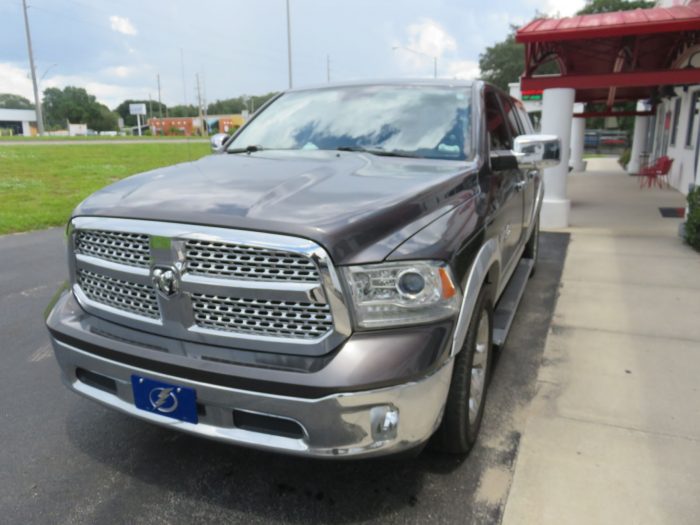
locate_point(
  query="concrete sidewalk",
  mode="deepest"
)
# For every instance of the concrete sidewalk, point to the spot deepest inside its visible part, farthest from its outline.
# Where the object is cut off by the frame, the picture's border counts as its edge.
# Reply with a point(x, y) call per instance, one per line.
point(613, 434)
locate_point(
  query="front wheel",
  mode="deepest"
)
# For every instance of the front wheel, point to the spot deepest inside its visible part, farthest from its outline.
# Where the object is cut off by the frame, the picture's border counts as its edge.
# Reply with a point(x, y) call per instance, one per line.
point(465, 401)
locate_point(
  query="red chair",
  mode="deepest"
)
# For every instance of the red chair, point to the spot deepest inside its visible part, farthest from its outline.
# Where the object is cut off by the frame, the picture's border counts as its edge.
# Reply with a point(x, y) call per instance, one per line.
point(652, 174)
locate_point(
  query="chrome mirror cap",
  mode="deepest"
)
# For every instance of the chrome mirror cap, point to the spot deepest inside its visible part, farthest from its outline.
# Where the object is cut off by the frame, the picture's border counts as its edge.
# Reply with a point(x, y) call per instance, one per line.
point(537, 151)
point(217, 141)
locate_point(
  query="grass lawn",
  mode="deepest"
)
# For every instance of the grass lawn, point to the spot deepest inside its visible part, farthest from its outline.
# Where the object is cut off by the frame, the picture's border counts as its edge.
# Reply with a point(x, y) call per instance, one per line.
point(54, 138)
point(40, 185)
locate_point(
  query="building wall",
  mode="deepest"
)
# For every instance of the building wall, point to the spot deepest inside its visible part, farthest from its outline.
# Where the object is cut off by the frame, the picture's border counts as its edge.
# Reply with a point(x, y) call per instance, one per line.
point(682, 145)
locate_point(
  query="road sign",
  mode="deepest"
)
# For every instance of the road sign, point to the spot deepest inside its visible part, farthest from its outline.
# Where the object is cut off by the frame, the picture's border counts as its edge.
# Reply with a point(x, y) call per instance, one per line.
point(137, 109)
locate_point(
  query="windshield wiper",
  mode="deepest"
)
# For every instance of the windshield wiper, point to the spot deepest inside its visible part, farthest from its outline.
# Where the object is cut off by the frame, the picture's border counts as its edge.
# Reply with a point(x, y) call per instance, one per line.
point(248, 149)
point(378, 151)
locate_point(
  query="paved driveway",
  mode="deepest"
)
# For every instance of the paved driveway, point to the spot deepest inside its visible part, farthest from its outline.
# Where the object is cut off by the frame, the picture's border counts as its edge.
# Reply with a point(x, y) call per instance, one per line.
point(65, 459)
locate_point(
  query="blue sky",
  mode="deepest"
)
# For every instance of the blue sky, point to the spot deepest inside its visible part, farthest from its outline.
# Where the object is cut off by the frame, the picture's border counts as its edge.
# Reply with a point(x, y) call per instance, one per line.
point(115, 48)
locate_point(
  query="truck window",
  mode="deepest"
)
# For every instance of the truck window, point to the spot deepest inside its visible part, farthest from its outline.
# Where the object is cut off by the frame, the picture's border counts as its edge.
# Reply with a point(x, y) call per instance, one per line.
point(496, 127)
point(514, 125)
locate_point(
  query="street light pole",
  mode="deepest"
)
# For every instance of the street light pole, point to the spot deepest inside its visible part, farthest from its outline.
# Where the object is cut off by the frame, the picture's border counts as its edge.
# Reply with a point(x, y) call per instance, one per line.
point(289, 46)
point(434, 57)
point(37, 100)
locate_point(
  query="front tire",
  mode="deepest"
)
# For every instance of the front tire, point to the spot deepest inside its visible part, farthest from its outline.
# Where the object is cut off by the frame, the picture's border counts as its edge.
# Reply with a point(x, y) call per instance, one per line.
point(464, 408)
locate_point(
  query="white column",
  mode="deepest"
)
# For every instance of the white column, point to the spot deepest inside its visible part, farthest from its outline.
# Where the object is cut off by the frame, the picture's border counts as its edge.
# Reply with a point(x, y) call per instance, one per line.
point(639, 139)
point(557, 114)
point(578, 130)
point(26, 129)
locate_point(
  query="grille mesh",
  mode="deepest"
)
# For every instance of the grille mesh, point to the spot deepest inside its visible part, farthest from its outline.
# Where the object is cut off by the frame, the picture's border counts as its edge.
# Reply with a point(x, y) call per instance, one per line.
point(124, 295)
point(217, 259)
point(119, 247)
point(262, 317)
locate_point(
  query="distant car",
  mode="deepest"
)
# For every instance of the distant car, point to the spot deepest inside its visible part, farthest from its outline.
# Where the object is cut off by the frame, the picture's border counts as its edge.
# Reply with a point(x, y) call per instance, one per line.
point(613, 141)
point(331, 283)
point(590, 139)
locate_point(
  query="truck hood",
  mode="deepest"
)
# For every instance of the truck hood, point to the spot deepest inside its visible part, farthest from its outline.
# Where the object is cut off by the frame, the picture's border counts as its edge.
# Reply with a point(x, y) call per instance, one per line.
point(358, 206)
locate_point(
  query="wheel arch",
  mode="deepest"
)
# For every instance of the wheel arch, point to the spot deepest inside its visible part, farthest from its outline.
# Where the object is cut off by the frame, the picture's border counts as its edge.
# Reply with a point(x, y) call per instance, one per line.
point(484, 270)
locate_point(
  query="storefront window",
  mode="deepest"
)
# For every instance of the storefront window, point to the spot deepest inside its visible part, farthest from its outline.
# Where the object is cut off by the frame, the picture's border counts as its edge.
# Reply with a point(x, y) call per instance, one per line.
point(676, 118)
point(692, 117)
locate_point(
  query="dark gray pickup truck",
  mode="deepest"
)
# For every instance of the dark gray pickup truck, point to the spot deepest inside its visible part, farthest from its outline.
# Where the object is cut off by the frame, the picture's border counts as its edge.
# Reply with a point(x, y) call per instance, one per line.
point(330, 282)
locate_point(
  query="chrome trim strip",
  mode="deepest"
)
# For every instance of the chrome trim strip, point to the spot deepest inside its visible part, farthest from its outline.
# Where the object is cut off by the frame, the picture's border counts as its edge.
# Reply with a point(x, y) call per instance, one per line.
point(177, 314)
point(112, 269)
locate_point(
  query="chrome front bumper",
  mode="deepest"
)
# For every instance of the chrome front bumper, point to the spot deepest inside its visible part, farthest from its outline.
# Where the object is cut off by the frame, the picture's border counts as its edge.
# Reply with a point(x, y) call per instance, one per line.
point(354, 424)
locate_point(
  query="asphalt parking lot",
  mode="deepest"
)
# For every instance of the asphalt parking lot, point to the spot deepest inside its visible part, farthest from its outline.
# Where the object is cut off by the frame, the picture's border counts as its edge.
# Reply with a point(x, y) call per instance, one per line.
point(67, 460)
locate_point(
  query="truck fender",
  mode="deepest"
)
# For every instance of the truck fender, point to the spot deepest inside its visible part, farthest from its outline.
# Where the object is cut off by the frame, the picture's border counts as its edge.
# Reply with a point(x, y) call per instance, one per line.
point(488, 255)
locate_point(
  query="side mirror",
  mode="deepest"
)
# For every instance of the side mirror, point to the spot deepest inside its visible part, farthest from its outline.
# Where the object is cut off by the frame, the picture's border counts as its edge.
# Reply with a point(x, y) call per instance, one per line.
point(217, 141)
point(537, 151)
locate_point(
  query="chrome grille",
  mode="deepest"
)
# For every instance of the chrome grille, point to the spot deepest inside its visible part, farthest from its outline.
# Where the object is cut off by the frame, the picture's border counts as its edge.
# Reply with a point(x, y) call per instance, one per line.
point(119, 247)
point(255, 291)
point(123, 295)
point(237, 261)
point(262, 317)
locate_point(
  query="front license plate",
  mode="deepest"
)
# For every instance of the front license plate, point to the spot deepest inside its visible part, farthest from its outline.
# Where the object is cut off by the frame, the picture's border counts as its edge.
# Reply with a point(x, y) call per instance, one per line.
point(177, 402)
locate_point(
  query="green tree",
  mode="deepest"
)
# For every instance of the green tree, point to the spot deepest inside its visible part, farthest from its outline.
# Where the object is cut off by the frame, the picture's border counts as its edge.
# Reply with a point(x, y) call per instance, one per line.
point(183, 111)
point(229, 106)
point(73, 104)
point(11, 101)
point(608, 6)
point(130, 120)
point(236, 105)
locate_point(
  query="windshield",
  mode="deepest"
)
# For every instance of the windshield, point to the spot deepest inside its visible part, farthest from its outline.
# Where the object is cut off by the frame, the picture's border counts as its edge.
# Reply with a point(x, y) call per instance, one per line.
point(415, 121)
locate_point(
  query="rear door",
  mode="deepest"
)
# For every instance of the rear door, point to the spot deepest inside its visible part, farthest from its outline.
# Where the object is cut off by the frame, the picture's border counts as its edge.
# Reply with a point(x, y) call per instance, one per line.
point(506, 175)
point(532, 177)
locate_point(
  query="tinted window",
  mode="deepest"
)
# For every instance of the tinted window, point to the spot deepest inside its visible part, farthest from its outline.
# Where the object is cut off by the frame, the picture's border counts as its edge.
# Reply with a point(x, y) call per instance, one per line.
point(692, 115)
point(525, 120)
point(424, 121)
point(676, 118)
point(496, 126)
point(514, 125)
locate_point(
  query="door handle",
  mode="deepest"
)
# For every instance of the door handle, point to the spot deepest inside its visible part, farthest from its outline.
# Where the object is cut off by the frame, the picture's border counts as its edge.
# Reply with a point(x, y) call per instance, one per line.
point(531, 174)
point(520, 185)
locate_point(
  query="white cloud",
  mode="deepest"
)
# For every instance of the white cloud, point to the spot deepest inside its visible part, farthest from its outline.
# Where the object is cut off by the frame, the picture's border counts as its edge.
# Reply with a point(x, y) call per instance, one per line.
point(107, 93)
point(428, 39)
point(122, 24)
point(557, 7)
point(119, 71)
point(15, 80)
point(461, 69)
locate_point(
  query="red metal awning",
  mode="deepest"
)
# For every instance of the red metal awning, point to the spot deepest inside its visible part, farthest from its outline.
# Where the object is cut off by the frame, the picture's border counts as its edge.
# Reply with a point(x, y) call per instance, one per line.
point(622, 55)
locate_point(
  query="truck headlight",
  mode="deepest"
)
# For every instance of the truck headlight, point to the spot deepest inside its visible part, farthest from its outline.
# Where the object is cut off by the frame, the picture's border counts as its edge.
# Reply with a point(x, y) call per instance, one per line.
point(402, 293)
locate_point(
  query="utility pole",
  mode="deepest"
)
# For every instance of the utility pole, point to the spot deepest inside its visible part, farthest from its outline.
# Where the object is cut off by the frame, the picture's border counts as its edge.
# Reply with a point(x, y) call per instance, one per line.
point(160, 103)
point(199, 105)
point(328, 68)
point(184, 86)
point(160, 106)
point(37, 100)
point(289, 46)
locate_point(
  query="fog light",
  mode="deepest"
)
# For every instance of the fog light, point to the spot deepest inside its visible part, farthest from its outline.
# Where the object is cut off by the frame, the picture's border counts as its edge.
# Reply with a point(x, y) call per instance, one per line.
point(385, 422)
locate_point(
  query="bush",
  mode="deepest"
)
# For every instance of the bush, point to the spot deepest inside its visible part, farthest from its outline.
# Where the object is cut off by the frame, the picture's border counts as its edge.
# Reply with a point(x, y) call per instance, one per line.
point(624, 159)
point(692, 222)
